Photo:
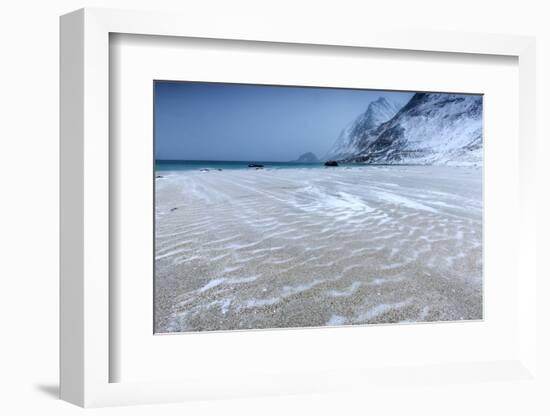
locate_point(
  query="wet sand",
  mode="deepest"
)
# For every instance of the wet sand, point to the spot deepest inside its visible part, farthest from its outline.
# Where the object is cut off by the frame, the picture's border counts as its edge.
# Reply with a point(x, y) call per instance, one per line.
point(274, 248)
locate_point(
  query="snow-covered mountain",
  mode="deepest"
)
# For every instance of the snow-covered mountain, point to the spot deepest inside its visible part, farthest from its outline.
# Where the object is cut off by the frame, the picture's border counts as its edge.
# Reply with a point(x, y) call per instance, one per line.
point(431, 128)
point(353, 138)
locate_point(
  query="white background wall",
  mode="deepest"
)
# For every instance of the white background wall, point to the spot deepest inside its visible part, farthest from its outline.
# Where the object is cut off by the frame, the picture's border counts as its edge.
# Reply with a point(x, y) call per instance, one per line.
point(29, 205)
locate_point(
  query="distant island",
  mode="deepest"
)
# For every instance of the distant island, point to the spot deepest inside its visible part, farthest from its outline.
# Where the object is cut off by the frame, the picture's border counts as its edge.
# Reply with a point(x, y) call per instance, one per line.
point(308, 157)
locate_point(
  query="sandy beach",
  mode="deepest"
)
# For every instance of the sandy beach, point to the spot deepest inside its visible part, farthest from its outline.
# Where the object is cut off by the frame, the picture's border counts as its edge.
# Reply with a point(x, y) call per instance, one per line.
point(273, 248)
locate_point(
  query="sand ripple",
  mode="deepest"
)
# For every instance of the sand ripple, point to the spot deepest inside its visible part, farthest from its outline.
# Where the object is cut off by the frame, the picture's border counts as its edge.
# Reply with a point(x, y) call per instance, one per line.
point(311, 247)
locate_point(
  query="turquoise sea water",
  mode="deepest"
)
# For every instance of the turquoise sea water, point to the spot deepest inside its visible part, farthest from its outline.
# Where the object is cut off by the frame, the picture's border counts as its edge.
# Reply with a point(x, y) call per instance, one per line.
point(171, 165)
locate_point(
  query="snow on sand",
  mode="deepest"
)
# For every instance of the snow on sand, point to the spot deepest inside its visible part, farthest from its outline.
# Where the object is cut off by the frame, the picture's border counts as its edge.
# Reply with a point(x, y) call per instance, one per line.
point(280, 248)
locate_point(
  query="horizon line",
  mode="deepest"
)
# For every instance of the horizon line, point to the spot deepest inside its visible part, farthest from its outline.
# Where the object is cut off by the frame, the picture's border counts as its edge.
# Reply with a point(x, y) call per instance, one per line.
point(225, 160)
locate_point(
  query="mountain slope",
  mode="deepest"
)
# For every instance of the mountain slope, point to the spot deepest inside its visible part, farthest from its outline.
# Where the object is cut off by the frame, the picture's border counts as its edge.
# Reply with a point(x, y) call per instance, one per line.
point(430, 129)
point(353, 138)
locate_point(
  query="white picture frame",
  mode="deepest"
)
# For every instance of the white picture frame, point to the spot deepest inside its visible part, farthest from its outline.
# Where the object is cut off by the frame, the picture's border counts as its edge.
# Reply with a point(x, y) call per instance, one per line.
point(85, 220)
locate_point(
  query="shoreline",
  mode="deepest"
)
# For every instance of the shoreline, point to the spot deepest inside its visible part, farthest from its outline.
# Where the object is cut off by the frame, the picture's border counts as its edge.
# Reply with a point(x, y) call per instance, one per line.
point(243, 165)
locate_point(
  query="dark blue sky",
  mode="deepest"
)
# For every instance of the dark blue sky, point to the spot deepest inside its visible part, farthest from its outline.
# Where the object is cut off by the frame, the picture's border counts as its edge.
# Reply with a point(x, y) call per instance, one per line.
point(209, 121)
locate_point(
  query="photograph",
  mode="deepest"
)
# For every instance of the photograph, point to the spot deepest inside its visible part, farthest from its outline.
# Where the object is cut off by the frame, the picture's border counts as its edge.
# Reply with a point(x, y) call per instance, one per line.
point(297, 206)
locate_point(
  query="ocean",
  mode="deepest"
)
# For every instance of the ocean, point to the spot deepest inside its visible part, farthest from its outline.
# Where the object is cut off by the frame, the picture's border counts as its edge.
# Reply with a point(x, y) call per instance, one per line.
point(184, 165)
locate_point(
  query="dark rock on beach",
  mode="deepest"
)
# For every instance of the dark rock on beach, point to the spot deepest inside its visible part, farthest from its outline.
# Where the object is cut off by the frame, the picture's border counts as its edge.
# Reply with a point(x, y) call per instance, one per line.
point(331, 163)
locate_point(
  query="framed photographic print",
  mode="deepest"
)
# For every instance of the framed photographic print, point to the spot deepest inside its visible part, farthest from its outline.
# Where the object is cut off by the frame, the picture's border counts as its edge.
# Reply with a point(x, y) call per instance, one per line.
point(264, 212)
